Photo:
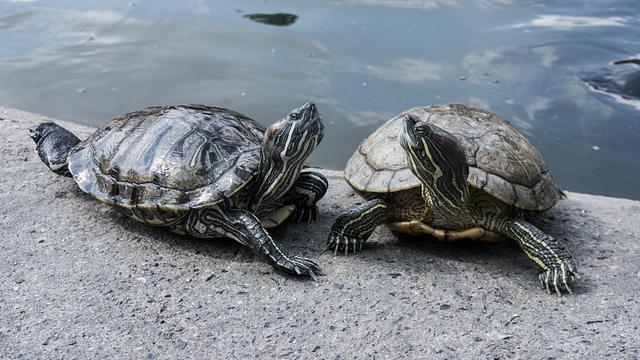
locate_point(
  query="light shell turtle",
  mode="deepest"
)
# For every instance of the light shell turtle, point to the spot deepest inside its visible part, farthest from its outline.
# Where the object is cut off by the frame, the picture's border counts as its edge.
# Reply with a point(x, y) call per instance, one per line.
point(199, 170)
point(453, 171)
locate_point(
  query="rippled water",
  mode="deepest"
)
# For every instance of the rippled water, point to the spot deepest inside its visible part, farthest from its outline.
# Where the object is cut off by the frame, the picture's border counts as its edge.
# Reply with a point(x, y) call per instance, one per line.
point(545, 65)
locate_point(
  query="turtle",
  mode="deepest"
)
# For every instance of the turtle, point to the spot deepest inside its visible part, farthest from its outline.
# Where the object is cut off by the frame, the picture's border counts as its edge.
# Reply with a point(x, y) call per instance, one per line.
point(450, 172)
point(617, 83)
point(199, 170)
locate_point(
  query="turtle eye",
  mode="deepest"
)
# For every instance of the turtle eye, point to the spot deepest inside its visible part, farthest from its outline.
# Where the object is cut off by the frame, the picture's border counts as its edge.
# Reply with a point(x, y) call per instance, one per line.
point(294, 116)
point(422, 130)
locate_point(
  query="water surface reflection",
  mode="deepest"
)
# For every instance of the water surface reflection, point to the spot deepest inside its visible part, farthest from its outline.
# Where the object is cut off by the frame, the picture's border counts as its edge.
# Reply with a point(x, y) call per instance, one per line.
point(362, 61)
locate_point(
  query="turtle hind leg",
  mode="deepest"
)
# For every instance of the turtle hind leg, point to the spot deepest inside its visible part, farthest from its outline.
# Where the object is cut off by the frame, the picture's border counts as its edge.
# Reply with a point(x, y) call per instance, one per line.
point(557, 266)
point(243, 227)
point(352, 228)
point(53, 144)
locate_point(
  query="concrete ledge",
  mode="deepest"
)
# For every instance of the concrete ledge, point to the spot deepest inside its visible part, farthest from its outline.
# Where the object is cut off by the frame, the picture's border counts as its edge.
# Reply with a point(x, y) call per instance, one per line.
point(81, 281)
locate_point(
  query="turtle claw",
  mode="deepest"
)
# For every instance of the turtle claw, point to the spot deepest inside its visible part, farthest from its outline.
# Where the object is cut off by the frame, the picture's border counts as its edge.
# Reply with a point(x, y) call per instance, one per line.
point(304, 213)
point(300, 266)
point(566, 286)
point(313, 276)
point(338, 243)
point(304, 267)
point(558, 278)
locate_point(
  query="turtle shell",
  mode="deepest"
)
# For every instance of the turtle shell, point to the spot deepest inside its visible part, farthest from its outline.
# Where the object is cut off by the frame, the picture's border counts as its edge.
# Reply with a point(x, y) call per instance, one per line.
point(177, 157)
point(501, 160)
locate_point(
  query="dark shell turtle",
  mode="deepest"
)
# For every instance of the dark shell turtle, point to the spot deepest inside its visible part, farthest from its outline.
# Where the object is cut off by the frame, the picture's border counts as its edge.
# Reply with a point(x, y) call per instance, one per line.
point(176, 157)
point(454, 172)
point(200, 170)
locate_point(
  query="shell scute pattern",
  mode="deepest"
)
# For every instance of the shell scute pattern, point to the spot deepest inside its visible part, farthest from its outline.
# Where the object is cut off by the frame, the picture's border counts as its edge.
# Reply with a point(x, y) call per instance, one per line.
point(501, 160)
point(175, 156)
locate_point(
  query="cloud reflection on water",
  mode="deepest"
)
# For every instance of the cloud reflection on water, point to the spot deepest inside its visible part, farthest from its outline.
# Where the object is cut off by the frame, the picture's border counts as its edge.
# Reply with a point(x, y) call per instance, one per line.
point(560, 22)
point(429, 4)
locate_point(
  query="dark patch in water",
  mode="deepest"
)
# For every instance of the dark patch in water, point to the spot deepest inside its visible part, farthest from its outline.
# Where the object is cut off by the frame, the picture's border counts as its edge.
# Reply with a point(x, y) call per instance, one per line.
point(620, 80)
point(277, 19)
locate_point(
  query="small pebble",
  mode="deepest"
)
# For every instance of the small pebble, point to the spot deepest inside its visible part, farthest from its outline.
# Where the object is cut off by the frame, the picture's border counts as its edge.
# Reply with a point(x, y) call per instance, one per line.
point(81, 90)
point(181, 344)
point(338, 286)
point(477, 338)
point(445, 306)
point(595, 147)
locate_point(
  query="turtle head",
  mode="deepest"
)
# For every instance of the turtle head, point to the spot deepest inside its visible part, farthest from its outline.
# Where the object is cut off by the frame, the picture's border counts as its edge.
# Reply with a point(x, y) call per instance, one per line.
point(292, 140)
point(286, 146)
point(436, 157)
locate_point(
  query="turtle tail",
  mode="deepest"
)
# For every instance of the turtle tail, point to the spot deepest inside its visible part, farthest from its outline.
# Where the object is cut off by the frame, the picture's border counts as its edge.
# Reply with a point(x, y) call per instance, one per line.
point(53, 144)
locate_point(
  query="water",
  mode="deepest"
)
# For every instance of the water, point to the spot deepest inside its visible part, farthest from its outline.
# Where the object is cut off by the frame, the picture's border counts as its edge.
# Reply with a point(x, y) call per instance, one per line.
point(361, 61)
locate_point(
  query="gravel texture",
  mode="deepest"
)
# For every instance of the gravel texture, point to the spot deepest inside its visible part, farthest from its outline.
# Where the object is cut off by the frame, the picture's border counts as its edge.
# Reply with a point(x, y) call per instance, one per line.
point(80, 281)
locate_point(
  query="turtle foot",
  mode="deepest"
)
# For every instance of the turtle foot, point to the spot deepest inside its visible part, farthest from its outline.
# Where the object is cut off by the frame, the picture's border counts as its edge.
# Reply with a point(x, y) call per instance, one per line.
point(299, 266)
point(558, 278)
point(304, 213)
point(342, 243)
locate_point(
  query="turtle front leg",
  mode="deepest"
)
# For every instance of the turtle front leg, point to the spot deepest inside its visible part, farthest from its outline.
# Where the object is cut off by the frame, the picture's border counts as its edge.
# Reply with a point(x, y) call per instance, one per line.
point(243, 227)
point(557, 266)
point(353, 227)
point(308, 189)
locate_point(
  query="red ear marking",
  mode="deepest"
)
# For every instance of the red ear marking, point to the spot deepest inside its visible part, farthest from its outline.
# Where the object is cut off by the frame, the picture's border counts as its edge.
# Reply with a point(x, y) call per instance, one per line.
point(449, 145)
point(271, 130)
